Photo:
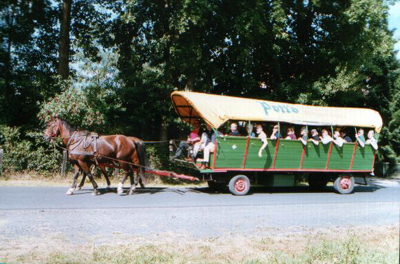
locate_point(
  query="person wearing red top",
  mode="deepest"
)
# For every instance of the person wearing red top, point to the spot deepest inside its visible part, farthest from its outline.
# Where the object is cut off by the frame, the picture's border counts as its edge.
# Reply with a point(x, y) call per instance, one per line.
point(192, 139)
point(290, 133)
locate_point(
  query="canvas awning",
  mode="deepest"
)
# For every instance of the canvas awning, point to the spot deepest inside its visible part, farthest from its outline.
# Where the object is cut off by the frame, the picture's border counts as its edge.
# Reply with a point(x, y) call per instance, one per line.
point(217, 109)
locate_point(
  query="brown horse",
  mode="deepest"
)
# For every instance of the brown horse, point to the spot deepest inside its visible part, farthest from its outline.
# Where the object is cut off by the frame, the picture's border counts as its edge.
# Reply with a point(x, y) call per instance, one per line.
point(139, 144)
point(86, 149)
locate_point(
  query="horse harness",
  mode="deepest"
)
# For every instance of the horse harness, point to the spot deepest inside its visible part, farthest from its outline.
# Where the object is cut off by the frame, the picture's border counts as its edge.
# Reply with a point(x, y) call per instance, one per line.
point(85, 141)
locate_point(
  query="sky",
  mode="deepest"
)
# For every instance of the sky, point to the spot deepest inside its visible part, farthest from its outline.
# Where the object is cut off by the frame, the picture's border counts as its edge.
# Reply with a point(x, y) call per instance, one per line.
point(394, 23)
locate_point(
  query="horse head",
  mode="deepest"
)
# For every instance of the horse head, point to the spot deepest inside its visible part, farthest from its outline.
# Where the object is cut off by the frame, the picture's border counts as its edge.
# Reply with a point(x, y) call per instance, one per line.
point(53, 129)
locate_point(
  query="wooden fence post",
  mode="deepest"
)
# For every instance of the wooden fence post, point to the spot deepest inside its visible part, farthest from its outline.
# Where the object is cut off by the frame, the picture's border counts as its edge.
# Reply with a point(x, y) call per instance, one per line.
point(1, 161)
point(64, 163)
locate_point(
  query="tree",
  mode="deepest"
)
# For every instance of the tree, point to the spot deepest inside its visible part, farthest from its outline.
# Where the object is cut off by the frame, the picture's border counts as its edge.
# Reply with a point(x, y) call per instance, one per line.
point(65, 21)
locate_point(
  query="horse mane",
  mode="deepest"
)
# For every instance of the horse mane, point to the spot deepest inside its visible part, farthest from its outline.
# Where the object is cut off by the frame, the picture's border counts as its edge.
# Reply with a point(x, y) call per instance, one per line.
point(67, 126)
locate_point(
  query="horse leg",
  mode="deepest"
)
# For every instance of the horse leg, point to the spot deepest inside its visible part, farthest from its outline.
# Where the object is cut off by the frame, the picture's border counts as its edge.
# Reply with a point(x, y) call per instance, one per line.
point(86, 168)
point(120, 189)
point(82, 181)
point(136, 178)
point(104, 171)
point(141, 178)
point(73, 186)
point(133, 182)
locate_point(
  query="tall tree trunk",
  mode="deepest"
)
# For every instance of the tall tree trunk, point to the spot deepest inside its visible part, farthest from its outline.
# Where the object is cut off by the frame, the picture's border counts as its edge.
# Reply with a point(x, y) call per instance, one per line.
point(63, 66)
point(164, 131)
point(9, 90)
point(190, 82)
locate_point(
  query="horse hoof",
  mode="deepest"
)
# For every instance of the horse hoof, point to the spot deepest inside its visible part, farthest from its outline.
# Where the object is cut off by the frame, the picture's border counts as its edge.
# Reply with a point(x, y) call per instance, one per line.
point(120, 191)
point(142, 186)
point(79, 188)
point(70, 191)
point(108, 188)
point(95, 192)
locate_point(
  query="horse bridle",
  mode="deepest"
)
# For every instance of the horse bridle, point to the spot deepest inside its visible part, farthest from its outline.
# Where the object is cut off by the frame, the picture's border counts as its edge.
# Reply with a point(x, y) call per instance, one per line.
point(55, 128)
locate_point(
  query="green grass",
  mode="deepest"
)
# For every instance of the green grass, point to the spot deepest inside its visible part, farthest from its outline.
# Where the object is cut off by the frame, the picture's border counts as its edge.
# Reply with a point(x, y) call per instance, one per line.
point(321, 247)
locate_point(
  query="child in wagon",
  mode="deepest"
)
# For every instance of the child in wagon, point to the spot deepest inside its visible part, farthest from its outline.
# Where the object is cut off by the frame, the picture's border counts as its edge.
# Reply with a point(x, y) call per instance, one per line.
point(263, 137)
point(338, 140)
point(360, 137)
point(314, 137)
point(326, 137)
point(290, 133)
point(371, 139)
point(303, 135)
point(275, 134)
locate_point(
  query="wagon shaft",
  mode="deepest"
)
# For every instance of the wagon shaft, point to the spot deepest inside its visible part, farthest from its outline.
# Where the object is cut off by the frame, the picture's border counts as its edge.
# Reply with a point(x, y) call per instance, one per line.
point(172, 175)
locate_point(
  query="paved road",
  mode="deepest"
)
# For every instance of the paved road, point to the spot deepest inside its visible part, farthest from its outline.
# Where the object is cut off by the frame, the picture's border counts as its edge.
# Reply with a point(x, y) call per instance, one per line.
point(27, 211)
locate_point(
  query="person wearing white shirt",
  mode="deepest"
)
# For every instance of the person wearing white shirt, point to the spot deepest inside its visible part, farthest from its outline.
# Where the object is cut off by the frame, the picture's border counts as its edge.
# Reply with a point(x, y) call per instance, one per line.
point(263, 137)
point(360, 137)
point(338, 140)
point(371, 139)
point(326, 138)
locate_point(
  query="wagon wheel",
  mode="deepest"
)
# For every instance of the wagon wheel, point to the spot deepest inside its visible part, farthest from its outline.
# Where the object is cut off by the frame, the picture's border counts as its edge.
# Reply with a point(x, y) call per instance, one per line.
point(344, 184)
point(216, 186)
point(317, 182)
point(239, 185)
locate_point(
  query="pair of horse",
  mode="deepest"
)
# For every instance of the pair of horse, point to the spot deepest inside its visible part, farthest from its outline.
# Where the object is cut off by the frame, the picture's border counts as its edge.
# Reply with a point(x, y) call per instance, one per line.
point(86, 149)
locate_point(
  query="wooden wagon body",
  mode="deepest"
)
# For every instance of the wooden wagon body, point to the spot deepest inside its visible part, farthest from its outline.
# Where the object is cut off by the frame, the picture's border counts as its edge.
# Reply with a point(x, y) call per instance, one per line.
point(241, 154)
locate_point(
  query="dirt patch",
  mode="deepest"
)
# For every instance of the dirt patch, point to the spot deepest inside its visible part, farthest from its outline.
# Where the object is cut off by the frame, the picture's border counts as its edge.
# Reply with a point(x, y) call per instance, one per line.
point(334, 245)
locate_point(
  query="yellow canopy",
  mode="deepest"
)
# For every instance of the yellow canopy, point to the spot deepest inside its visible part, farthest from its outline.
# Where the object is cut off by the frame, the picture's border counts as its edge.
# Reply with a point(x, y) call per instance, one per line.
point(217, 109)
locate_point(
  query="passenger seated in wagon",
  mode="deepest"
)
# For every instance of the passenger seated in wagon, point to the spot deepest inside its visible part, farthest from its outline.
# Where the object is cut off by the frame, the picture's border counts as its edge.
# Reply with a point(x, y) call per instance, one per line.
point(315, 136)
point(234, 131)
point(263, 137)
point(337, 139)
point(326, 138)
point(250, 130)
point(371, 139)
point(360, 137)
point(192, 140)
point(275, 134)
point(290, 133)
point(344, 135)
point(207, 145)
point(303, 135)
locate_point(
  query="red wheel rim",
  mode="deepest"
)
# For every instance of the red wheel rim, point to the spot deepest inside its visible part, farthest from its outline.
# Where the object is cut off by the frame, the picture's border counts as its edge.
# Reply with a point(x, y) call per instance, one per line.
point(240, 185)
point(345, 183)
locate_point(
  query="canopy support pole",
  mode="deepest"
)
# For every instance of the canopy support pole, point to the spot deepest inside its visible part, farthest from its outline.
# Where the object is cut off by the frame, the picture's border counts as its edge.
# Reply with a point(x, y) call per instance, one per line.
point(354, 154)
point(245, 152)
point(279, 130)
point(329, 155)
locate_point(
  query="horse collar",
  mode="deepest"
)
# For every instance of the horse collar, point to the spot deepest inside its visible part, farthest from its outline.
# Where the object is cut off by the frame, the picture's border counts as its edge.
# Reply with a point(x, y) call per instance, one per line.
point(70, 139)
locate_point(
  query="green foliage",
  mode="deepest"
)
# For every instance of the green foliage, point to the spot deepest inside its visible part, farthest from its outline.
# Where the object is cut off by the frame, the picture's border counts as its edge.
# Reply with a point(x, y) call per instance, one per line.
point(27, 153)
point(28, 55)
point(73, 106)
point(128, 56)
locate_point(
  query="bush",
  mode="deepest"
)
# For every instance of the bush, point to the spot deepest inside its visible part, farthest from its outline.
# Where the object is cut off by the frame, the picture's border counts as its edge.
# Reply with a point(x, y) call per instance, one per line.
point(27, 152)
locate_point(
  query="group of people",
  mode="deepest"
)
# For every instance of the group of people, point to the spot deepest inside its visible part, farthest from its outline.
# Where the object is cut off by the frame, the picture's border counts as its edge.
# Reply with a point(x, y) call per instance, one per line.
point(339, 137)
point(197, 141)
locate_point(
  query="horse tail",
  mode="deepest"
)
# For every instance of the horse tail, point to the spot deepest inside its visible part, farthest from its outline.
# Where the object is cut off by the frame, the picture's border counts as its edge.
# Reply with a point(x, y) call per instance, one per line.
point(143, 159)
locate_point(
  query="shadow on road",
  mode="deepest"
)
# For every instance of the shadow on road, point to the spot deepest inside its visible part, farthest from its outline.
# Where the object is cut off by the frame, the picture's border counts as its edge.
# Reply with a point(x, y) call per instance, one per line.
point(372, 187)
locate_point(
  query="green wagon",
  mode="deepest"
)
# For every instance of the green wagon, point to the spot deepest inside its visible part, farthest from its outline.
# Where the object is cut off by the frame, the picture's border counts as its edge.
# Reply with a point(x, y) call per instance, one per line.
point(235, 161)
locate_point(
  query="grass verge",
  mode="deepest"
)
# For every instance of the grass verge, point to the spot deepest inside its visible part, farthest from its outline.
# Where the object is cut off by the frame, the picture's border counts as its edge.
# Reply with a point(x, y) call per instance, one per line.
point(356, 245)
